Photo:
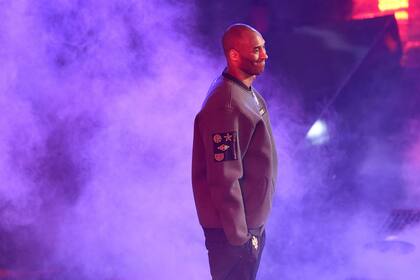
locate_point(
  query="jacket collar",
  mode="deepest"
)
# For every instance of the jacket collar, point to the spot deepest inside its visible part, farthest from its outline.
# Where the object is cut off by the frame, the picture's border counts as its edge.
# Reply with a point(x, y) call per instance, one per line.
point(228, 76)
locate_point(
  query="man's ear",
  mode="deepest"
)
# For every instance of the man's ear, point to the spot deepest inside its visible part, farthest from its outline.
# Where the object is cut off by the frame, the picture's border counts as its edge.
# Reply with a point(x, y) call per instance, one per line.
point(233, 55)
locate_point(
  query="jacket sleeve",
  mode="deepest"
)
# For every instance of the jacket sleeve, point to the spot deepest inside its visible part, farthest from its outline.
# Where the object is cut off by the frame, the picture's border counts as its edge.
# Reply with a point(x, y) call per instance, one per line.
point(226, 134)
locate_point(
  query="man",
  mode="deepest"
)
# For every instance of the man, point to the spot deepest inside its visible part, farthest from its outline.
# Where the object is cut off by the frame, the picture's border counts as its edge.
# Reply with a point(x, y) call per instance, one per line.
point(234, 163)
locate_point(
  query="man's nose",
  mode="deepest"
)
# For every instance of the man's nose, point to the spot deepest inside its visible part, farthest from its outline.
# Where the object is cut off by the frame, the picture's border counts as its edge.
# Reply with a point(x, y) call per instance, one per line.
point(264, 54)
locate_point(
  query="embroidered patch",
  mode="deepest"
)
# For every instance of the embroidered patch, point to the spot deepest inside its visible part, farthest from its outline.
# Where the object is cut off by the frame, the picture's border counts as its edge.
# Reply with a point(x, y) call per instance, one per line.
point(225, 146)
point(219, 157)
point(217, 138)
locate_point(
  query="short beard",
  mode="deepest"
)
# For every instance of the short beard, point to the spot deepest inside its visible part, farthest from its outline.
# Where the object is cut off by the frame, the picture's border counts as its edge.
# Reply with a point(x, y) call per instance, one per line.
point(247, 66)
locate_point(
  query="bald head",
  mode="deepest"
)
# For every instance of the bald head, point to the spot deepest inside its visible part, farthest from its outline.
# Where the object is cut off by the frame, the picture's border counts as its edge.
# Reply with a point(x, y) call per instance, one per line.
point(244, 49)
point(236, 35)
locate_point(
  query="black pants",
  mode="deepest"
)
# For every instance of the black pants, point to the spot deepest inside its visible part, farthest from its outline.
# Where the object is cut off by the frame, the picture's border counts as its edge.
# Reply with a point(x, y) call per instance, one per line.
point(228, 262)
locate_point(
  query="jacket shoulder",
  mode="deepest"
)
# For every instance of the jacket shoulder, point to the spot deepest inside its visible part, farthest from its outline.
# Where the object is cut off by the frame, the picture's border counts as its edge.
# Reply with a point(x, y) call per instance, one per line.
point(225, 95)
point(219, 96)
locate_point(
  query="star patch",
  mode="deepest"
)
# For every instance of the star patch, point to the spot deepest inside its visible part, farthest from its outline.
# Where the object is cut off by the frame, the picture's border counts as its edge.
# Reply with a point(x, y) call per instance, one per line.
point(225, 146)
point(228, 137)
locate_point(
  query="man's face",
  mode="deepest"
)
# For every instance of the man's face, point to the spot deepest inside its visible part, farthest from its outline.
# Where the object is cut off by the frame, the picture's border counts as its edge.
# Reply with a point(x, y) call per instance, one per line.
point(252, 54)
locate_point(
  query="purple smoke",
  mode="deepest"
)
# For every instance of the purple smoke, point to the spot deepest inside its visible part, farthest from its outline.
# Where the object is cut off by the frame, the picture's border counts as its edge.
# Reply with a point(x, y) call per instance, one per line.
point(98, 100)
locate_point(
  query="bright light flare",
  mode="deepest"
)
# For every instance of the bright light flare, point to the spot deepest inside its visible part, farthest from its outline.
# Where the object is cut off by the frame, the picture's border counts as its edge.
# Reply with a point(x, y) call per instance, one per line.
point(389, 5)
point(401, 15)
point(318, 133)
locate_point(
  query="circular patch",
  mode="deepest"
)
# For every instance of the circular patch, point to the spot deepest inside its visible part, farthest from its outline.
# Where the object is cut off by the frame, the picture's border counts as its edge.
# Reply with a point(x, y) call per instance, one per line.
point(217, 138)
point(219, 157)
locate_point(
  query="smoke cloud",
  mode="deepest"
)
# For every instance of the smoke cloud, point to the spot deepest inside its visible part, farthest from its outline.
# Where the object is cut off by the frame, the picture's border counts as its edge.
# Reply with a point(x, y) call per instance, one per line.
point(98, 100)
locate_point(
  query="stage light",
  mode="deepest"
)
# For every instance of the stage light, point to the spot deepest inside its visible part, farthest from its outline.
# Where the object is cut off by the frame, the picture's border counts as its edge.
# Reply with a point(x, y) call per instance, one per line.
point(318, 133)
point(389, 5)
point(401, 15)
